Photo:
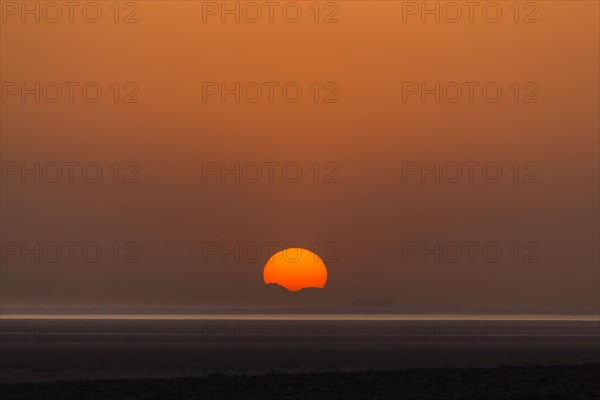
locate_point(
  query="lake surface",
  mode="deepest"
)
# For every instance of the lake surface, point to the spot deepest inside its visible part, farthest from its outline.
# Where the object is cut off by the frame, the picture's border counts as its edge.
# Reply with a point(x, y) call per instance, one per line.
point(94, 347)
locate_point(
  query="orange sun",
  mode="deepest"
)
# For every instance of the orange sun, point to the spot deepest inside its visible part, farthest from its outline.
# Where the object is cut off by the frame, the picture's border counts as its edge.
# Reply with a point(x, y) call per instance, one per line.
point(295, 268)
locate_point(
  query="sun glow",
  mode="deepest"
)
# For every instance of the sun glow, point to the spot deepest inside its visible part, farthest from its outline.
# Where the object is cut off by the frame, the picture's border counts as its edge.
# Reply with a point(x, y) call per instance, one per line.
point(295, 269)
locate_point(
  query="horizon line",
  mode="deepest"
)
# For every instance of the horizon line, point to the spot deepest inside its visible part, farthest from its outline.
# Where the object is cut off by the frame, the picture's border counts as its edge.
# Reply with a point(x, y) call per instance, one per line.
point(310, 316)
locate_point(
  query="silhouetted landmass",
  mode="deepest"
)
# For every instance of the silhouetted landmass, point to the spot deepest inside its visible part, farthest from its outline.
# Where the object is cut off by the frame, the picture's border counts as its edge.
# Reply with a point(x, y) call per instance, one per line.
point(549, 382)
point(278, 289)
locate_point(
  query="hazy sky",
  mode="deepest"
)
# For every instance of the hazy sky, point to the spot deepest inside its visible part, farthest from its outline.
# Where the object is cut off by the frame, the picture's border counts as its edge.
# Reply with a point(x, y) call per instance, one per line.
point(365, 134)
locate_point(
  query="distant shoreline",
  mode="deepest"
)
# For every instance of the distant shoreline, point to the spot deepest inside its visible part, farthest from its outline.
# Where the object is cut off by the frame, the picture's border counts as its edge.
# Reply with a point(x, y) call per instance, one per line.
point(304, 317)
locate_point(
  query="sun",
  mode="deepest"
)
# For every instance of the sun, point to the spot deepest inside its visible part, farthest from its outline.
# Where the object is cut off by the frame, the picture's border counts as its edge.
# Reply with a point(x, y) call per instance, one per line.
point(295, 269)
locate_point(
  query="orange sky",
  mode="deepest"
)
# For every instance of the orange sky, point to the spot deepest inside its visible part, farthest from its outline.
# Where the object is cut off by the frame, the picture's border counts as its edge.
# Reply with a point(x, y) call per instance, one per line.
point(368, 215)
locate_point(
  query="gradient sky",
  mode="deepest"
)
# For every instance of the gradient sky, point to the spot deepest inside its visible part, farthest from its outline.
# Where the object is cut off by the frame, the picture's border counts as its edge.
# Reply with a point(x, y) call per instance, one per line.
point(366, 216)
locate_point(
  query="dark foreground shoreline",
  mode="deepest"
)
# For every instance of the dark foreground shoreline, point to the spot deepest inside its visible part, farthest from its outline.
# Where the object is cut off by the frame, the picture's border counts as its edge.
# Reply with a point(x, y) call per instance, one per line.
point(518, 382)
point(108, 359)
